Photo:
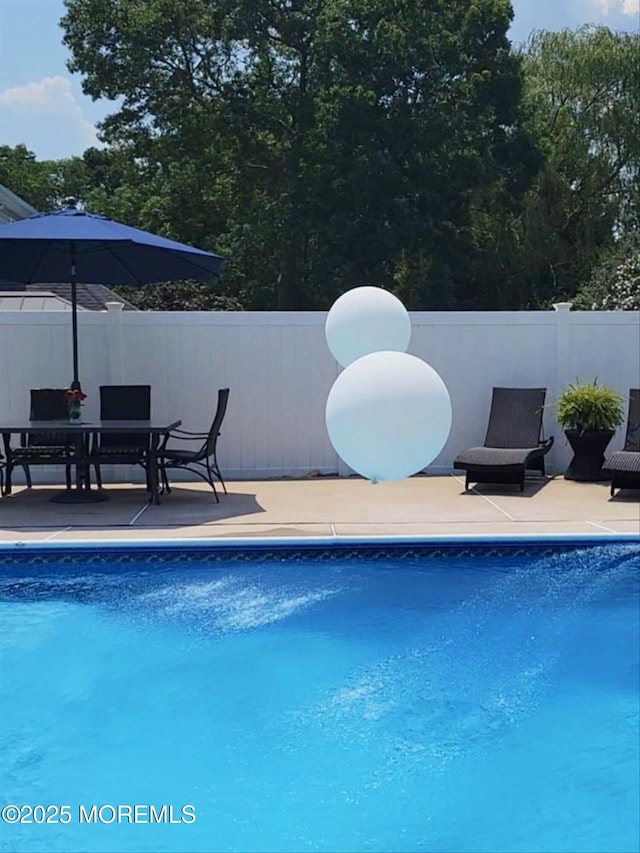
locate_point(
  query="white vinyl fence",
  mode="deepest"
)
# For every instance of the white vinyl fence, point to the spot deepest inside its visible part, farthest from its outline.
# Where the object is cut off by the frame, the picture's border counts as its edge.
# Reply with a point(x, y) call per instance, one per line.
point(279, 370)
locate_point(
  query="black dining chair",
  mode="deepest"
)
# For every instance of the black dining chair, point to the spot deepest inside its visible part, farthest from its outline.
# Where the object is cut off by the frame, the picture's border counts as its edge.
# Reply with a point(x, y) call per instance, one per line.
point(203, 461)
point(44, 448)
point(122, 403)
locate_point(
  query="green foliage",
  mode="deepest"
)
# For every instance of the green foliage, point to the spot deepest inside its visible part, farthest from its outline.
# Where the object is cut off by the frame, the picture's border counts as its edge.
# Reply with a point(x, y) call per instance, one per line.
point(615, 281)
point(588, 407)
point(318, 144)
point(25, 176)
point(582, 95)
point(179, 296)
point(324, 144)
point(44, 184)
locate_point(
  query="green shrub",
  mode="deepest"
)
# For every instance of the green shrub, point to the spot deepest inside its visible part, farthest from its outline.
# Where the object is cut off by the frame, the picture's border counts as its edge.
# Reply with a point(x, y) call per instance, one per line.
point(590, 407)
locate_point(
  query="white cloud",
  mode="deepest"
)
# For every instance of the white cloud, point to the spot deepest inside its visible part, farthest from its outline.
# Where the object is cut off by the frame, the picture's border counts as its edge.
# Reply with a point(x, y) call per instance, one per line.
point(629, 8)
point(47, 118)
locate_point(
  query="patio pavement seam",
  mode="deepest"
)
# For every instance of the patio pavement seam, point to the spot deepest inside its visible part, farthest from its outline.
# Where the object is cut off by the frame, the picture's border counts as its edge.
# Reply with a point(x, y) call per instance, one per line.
point(601, 526)
point(144, 508)
point(57, 533)
point(488, 500)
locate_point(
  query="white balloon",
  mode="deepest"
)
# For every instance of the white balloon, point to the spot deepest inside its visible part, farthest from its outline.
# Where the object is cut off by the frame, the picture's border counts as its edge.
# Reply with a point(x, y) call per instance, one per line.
point(364, 320)
point(388, 415)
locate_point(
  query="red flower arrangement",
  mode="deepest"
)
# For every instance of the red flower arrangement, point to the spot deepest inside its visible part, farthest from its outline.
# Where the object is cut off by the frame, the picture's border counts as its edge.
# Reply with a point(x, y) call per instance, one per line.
point(74, 398)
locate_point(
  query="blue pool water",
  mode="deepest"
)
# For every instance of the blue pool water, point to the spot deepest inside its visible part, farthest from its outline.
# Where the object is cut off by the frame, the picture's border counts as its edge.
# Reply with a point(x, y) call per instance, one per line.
point(480, 701)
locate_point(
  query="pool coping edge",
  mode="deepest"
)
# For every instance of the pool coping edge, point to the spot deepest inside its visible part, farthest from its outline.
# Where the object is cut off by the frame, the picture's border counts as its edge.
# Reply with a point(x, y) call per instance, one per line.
point(313, 542)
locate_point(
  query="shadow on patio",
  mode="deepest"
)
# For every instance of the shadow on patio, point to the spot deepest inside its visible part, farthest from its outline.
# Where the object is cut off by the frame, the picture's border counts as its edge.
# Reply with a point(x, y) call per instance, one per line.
point(127, 506)
point(532, 486)
point(196, 505)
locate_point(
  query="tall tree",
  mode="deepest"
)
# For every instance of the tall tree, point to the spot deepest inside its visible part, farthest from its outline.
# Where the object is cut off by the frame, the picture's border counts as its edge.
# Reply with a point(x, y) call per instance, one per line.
point(583, 95)
point(320, 144)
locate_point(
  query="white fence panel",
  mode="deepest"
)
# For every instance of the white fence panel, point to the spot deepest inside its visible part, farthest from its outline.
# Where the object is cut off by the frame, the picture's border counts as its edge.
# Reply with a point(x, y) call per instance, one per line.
point(279, 370)
point(475, 352)
point(36, 352)
point(606, 346)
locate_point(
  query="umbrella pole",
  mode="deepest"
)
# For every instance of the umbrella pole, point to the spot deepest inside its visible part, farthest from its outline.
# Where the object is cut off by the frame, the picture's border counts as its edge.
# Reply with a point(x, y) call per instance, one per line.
point(75, 385)
point(82, 493)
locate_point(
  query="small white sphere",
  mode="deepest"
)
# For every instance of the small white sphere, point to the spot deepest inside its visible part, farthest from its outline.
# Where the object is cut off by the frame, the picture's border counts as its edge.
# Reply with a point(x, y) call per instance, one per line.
point(388, 415)
point(365, 320)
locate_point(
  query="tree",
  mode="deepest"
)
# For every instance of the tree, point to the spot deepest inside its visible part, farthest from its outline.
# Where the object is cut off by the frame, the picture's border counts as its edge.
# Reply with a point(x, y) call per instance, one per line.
point(582, 94)
point(27, 177)
point(42, 183)
point(615, 280)
point(318, 144)
point(22, 174)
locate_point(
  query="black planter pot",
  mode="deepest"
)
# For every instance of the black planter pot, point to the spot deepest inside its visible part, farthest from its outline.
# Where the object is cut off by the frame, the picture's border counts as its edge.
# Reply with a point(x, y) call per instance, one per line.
point(588, 459)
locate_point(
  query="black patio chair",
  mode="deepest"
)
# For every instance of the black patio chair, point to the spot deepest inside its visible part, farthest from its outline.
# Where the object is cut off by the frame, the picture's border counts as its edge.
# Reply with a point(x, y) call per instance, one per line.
point(44, 448)
point(513, 443)
point(202, 461)
point(623, 466)
point(122, 403)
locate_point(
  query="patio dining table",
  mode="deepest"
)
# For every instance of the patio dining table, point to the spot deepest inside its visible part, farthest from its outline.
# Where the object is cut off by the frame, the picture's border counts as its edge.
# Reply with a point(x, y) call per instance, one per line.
point(80, 433)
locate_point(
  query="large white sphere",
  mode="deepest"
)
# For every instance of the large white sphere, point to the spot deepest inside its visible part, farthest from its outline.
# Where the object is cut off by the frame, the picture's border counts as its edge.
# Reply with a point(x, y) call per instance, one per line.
point(388, 415)
point(364, 320)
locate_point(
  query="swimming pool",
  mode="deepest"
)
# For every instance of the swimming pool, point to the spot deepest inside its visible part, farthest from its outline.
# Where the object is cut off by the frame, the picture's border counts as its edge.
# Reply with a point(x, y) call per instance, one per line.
point(382, 698)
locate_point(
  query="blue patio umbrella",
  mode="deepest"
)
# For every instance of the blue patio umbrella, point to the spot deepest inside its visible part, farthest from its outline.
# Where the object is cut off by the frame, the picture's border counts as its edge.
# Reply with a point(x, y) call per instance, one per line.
point(73, 246)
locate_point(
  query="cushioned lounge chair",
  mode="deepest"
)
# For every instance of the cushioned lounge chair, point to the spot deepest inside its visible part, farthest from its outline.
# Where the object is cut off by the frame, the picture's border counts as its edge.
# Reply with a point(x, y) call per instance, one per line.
point(202, 461)
point(513, 443)
point(623, 466)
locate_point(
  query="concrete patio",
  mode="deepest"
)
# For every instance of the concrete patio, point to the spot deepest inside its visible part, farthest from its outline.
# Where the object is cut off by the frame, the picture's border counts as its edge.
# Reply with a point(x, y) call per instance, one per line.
point(325, 507)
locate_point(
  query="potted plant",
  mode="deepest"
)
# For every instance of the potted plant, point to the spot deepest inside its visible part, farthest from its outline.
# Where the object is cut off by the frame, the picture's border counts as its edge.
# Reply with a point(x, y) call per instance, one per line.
point(590, 414)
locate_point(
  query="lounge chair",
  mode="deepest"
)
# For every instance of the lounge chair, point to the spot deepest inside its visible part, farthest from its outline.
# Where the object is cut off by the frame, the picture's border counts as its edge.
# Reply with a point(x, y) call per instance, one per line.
point(513, 443)
point(202, 461)
point(623, 466)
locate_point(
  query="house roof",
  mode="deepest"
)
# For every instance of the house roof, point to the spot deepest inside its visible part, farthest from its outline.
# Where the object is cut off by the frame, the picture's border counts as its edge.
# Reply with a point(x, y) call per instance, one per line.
point(91, 297)
point(12, 207)
point(21, 300)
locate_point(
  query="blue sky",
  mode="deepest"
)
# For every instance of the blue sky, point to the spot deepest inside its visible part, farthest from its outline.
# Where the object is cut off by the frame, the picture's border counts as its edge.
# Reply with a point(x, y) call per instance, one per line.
point(42, 105)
